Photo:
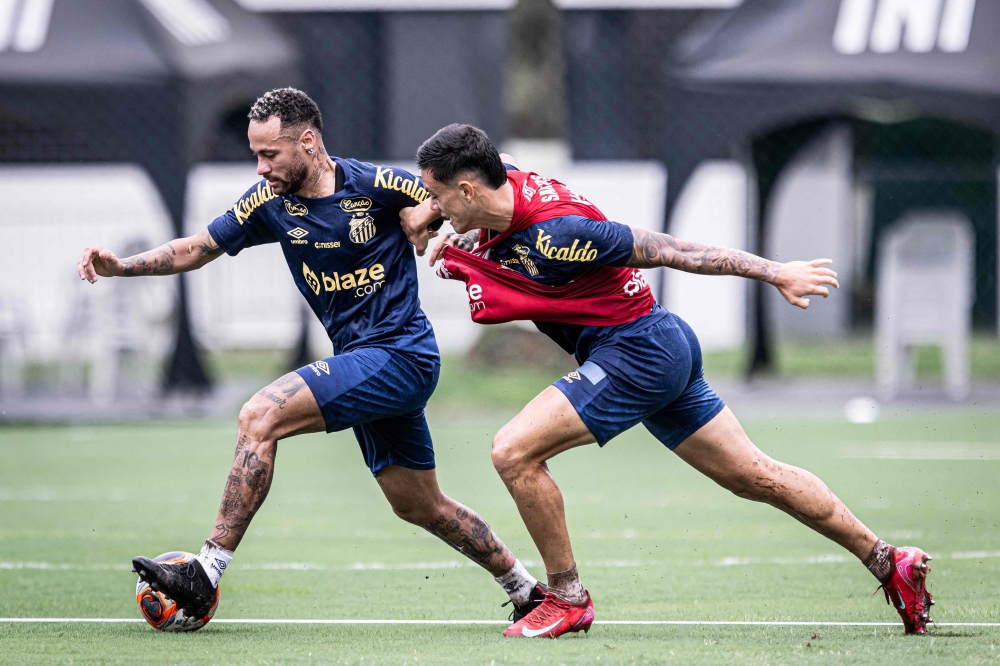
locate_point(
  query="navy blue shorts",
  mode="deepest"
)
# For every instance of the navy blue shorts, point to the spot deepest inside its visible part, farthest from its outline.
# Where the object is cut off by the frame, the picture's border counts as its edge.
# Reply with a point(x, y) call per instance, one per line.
point(653, 377)
point(381, 394)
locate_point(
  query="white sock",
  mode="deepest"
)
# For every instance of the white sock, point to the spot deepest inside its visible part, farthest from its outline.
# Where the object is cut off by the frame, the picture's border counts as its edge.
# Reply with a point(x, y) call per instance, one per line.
point(517, 583)
point(214, 560)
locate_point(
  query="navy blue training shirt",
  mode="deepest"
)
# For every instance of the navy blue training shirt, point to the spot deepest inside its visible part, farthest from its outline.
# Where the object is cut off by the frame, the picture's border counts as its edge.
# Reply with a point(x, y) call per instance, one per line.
point(347, 253)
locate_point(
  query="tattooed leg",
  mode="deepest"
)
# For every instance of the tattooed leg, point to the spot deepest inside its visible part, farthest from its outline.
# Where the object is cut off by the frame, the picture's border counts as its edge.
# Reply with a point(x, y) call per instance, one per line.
point(282, 409)
point(416, 498)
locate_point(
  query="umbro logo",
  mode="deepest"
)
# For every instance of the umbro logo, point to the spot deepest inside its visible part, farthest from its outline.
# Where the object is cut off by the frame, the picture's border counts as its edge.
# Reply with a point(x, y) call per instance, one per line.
point(320, 365)
point(297, 234)
point(571, 377)
point(221, 564)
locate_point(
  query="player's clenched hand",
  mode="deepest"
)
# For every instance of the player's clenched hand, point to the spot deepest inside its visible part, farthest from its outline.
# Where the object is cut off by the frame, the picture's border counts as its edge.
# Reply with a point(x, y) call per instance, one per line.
point(414, 221)
point(798, 279)
point(99, 262)
point(460, 241)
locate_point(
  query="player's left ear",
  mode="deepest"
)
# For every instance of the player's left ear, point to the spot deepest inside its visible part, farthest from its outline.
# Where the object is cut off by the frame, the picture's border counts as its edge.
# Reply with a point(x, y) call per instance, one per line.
point(308, 141)
point(468, 189)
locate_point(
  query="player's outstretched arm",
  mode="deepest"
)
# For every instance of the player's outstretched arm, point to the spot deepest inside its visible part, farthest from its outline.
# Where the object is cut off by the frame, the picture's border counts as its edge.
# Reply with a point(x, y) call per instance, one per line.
point(178, 256)
point(795, 279)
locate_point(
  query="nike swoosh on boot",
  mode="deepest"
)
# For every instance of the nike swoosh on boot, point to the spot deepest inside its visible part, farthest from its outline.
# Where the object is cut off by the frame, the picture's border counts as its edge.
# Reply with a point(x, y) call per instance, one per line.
point(531, 633)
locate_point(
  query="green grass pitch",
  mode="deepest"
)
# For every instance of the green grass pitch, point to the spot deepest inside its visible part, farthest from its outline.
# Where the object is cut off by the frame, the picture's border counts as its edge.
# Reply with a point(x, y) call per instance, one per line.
point(655, 541)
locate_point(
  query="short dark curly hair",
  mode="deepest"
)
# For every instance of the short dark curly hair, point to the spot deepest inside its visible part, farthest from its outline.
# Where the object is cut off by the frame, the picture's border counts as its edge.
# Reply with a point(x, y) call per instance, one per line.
point(459, 149)
point(292, 107)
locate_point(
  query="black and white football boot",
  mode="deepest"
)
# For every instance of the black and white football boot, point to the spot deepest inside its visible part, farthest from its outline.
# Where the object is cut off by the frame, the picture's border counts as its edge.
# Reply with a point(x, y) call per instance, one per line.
point(185, 582)
point(536, 597)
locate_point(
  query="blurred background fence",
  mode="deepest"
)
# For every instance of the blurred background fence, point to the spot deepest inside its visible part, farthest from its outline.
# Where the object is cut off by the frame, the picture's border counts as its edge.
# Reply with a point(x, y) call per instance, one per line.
point(792, 129)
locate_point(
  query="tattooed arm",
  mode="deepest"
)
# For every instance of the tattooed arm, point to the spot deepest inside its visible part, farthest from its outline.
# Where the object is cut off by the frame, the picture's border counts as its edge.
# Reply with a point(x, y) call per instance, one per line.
point(794, 279)
point(177, 256)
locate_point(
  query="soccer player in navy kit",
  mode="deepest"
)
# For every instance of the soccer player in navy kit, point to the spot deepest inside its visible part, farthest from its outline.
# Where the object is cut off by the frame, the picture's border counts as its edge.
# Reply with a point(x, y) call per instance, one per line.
point(647, 370)
point(337, 221)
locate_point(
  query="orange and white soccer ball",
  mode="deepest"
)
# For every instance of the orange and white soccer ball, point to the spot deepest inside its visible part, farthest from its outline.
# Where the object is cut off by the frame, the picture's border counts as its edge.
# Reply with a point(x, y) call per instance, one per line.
point(160, 610)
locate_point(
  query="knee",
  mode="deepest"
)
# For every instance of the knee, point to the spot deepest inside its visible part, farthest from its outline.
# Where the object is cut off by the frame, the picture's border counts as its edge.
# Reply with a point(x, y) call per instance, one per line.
point(747, 494)
point(509, 458)
point(414, 510)
point(258, 419)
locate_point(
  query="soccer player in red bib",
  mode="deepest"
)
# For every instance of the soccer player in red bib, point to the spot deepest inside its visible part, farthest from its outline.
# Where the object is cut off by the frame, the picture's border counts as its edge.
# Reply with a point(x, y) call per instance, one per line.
point(530, 248)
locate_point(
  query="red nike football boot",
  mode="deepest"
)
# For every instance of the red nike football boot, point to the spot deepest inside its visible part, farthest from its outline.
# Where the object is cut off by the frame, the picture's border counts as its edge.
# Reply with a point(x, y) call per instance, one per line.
point(535, 599)
point(553, 618)
point(907, 589)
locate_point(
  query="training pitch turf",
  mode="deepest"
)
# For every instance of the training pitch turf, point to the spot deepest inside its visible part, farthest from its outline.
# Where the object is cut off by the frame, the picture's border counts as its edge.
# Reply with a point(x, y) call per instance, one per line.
point(655, 541)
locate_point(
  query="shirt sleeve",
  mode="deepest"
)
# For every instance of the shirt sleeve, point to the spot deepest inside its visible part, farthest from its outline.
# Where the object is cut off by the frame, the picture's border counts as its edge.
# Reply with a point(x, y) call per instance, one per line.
point(243, 225)
point(408, 190)
point(589, 242)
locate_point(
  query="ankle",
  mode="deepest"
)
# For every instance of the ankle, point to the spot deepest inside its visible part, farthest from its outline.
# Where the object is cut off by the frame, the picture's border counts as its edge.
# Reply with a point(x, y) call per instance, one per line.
point(517, 583)
point(567, 585)
point(880, 561)
point(214, 559)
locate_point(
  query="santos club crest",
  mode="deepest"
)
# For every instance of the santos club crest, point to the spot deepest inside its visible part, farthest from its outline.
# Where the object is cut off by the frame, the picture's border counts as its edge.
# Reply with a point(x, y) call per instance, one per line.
point(362, 224)
point(362, 227)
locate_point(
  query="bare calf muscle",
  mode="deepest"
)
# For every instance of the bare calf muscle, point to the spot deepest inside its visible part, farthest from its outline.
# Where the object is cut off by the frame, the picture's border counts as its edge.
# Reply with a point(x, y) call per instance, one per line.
point(547, 426)
point(416, 498)
point(470, 535)
point(284, 408)
point(246, 489)
point(722, 451)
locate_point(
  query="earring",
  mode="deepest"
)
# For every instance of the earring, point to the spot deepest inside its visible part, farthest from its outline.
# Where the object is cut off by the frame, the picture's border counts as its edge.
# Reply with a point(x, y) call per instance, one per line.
point(310, 151)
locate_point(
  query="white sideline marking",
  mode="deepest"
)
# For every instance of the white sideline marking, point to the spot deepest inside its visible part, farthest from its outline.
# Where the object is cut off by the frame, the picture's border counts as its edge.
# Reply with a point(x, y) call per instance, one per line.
point(832, 558)
point(312, 566)
point(741, 623)
point(977, 451)
point(419, 566)
point(835, 558)
point(975, 554)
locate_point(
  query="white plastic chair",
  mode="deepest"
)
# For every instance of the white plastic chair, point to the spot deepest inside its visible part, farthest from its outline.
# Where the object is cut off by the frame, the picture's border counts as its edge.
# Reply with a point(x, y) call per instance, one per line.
point(115, 320)
point(12, 343)
point(924, 297)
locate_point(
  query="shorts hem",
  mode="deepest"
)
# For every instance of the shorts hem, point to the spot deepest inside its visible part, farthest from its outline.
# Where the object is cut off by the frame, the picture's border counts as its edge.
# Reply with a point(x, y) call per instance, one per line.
point(420, 467)
point(580, 411)
point(335, 425)
point(701, 423)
